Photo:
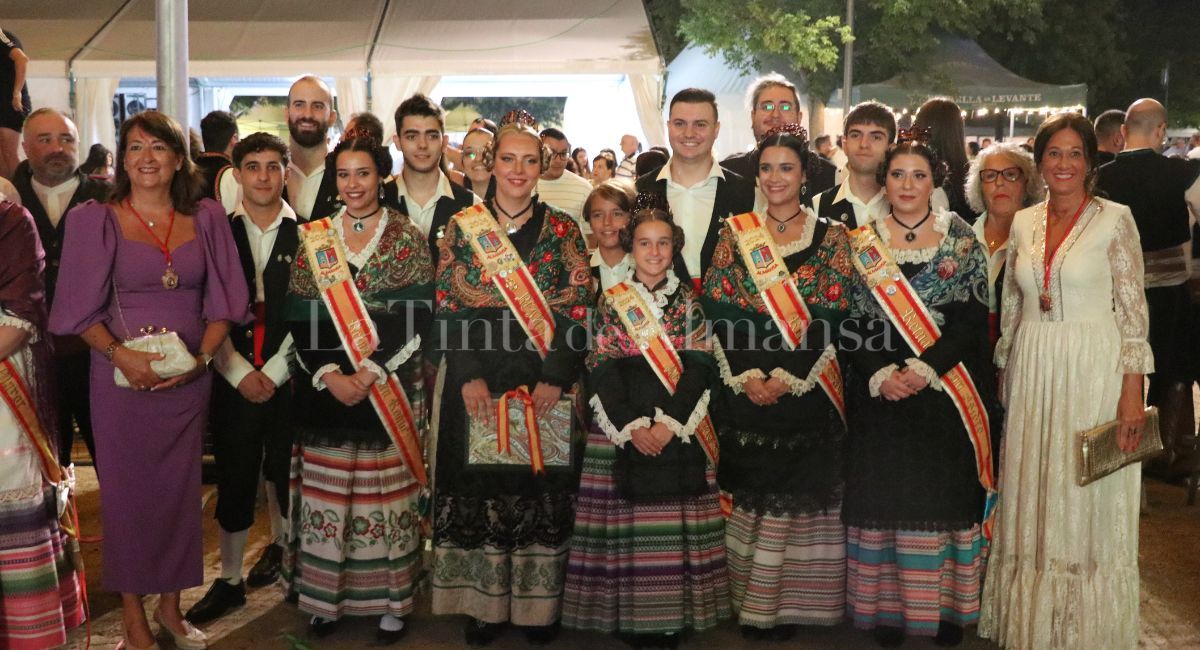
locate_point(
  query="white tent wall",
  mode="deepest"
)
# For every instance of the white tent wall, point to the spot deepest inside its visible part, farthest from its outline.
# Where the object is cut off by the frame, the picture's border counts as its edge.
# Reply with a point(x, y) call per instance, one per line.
point(695, 69)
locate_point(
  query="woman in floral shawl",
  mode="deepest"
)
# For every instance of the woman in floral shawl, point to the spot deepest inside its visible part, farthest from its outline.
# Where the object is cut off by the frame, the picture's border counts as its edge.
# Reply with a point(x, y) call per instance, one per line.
point(500, 534)
point(781, 430)
point(648, 556)
point(914, 501)
point(354, 546)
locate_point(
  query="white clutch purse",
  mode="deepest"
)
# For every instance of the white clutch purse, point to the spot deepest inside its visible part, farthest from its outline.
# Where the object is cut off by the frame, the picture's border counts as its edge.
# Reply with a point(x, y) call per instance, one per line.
point(176, 358)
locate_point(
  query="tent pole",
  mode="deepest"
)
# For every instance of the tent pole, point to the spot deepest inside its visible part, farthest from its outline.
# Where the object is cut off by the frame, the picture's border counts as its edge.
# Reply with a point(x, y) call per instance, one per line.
point(383, 14)
point(1012, 117)
point(848, 64)
point(172, 64)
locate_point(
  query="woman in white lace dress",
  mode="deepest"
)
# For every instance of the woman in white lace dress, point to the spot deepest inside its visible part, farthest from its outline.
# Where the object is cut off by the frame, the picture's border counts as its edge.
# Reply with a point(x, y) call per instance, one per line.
point(1063, 569)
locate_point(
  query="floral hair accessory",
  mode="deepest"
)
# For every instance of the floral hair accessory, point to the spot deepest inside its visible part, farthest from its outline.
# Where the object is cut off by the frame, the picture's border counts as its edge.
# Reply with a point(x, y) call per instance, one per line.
point(915, 134)
point(651, 201)
point(519, 116)
point(790, 129)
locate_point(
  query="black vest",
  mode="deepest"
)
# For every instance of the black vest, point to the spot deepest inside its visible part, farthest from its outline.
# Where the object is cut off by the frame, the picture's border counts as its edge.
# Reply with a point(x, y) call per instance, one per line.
point(211, 163)
point(52, 236)
point(276, 276)
point(327, 202)
point(1153, 186)
point(446, 208)
point(830, 210)
point(735, 195)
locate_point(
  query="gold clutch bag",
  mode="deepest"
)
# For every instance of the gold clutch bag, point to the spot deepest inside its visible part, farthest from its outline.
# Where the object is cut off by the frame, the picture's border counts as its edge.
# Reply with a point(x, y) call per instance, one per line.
point(1100, 456)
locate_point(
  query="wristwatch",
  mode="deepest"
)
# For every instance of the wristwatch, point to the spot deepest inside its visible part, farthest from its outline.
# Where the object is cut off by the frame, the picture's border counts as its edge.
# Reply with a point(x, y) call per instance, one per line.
point(207, 359)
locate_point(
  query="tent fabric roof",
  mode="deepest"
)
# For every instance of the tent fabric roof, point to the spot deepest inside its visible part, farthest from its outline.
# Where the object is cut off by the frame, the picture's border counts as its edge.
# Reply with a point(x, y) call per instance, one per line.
point(290, 37)
point(973, 79)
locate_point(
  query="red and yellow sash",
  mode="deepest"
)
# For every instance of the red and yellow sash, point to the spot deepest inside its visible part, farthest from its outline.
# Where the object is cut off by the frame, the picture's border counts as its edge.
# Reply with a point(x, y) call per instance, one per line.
point(521, 394)
point(17, 397)
point(508, 272)
point(647, 333)
point(327, 260)
point(781, 296)
point(912, 318)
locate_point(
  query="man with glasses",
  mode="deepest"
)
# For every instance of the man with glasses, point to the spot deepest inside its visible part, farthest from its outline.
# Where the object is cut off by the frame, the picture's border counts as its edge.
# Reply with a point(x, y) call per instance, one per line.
point(774, 102)
point(559, 187)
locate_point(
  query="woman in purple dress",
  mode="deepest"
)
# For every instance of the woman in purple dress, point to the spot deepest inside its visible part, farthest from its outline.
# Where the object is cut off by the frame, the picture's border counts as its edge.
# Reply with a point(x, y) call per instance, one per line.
point(153, 255)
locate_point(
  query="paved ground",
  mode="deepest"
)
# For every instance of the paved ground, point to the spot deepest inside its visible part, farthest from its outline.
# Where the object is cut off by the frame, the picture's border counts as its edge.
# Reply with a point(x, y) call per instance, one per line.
point(1170, 605)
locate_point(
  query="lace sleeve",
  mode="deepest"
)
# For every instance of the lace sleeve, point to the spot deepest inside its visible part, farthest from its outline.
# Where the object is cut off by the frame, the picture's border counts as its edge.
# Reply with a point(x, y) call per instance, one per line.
point(1129, 296)
point(1010, 304)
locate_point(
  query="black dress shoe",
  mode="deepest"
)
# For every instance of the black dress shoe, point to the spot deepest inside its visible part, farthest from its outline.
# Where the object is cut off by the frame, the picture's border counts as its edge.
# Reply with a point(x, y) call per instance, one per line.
point(541, 634)
point(388, 637)
point(782, 632)
point(888, 636)
point(949, 635)
point(221, 599)
point(266, 570)
point(751, 633)
point(319, 628)
point(479, 633)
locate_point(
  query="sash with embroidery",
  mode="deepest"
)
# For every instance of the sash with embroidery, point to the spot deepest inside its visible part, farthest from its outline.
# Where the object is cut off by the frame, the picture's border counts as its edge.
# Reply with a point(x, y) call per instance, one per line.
point(508, 272)
point(331, 272)
point(912, 319)
point(781, 296)
point(656, 347)
point(19, 400)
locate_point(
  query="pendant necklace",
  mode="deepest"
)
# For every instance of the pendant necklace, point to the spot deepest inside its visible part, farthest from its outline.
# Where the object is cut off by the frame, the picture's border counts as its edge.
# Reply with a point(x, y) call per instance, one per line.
point(358, 221)
point(170, 279)
point(783, 223)
point(1045, 303)
point(911, 235)
point(512, 227)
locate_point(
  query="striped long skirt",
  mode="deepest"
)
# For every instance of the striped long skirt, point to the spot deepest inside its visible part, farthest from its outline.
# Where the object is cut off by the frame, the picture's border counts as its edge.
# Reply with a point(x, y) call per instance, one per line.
point(912, 579)
point(354, 544)
point(39, 591)
point(787, 569)
point(643, 568)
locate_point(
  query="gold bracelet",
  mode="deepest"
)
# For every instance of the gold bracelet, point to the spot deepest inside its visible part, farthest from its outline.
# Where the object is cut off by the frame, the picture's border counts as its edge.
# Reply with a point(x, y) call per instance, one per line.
point(111, 349)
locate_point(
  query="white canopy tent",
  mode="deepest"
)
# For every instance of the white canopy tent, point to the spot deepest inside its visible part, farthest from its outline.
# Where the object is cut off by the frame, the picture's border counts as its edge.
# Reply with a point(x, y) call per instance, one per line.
point(378, 52)
point(693, 68)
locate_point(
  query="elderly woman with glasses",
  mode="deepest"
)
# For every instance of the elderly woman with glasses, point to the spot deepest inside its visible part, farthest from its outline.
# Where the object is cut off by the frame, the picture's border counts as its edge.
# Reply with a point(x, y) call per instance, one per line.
point(1002, 180)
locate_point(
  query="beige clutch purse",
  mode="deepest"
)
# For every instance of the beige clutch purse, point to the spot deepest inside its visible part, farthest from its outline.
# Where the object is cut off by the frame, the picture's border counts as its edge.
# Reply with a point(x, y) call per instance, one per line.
point(1100, 456)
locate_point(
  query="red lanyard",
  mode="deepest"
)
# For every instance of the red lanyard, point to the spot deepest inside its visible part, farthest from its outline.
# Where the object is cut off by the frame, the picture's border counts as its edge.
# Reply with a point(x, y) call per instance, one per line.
point(1049, 259)
point(162, 245)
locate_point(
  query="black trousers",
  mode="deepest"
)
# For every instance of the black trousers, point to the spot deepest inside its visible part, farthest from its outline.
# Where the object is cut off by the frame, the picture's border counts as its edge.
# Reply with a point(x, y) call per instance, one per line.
point(249, 438)
point(1170, 338)
point(74, 405)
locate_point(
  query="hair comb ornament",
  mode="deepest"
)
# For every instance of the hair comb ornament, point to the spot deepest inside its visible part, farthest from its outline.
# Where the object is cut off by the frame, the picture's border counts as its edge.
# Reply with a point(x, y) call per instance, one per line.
point(651, 201)
point(519, 116)
point(358, 133)
point(790, 129)
point(915, 134)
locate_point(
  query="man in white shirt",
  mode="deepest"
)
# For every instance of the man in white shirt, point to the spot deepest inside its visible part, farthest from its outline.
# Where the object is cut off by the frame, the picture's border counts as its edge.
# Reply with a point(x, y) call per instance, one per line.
point(869, 130)
point(309, 114)
point(49, 184)
point(251, 404)
point(631, 148)
point(422, 190)
point(557, 186)
point(700, 193)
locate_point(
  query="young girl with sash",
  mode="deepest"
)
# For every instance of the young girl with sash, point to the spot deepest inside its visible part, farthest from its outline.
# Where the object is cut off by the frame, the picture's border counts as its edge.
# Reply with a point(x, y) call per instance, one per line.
point(39, 588)
point(359, 307)
point(920, 403)
point(513, 293)
point(776, 293)
point(648, 555)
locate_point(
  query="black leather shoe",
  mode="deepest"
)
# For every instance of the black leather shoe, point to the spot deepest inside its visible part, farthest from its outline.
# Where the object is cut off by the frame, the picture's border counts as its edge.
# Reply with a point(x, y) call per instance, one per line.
point(266, 570)
point(541, 634)
point(949, 635)
point(388, 637)
point(221, 599)
point(888, 637)
point(479, 633)
point(319, 628)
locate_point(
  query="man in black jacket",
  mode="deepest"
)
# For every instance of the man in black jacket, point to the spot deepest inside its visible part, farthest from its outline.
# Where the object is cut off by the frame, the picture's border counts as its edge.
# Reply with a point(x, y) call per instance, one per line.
point(219, 132)
point(310, 191)
point(422, 190)
point(251, 405)
point(50, 184)
point(1164, 195)
point(700, 193)
point(773, 102)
